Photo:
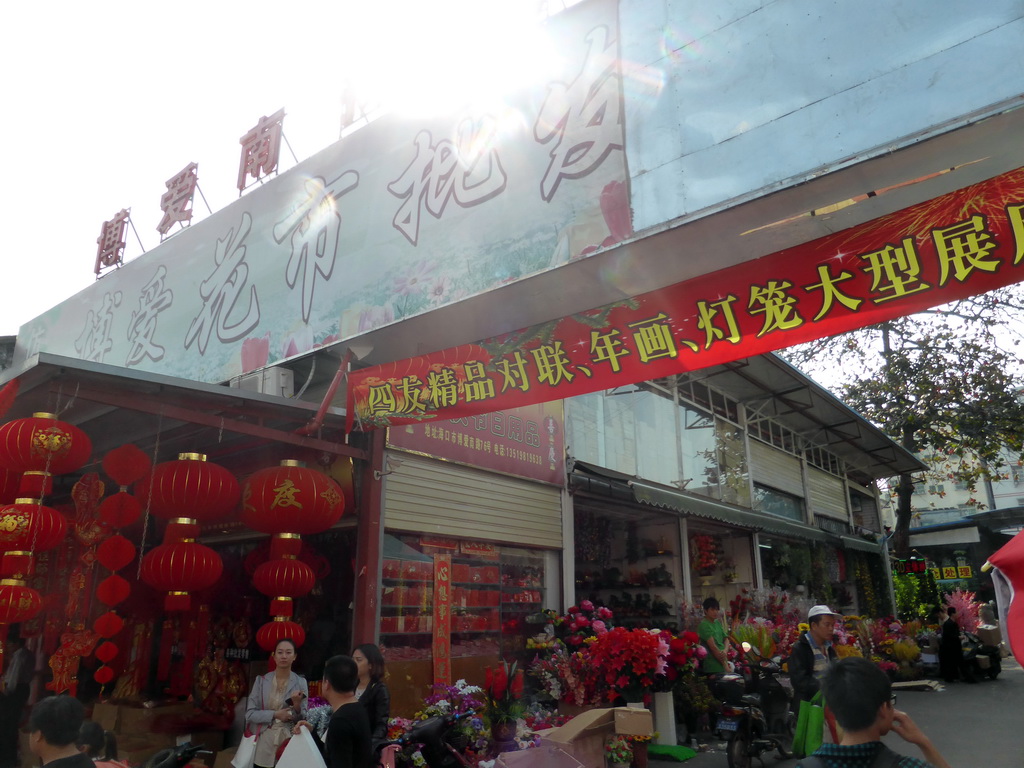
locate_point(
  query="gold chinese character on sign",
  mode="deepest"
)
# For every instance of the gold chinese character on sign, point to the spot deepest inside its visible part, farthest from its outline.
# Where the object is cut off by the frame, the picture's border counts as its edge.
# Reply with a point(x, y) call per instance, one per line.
point(895, 271)
point(284, 495)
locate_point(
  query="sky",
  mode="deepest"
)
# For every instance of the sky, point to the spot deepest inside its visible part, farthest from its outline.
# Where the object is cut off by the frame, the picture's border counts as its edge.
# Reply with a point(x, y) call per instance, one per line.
point(103, 102)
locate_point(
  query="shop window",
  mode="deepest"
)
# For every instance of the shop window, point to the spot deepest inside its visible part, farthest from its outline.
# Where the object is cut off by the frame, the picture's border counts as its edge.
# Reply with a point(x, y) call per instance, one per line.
point(631, 566)
point(778, 503)
point(493, 602)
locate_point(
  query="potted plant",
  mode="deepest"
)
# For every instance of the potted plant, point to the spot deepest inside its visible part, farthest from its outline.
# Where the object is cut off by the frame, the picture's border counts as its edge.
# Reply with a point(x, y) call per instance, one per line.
point(503, 685)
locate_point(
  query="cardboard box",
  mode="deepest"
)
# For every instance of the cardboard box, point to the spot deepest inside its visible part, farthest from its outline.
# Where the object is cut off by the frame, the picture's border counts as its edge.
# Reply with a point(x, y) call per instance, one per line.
point(141, 721)
point(224, 757)
point(107, 715)
point(584, 736)
point(212, 741)
point(989, 635)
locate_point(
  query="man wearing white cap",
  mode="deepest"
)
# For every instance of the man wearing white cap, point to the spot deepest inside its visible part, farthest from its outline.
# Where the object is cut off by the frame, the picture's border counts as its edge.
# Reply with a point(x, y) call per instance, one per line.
point(812, 654)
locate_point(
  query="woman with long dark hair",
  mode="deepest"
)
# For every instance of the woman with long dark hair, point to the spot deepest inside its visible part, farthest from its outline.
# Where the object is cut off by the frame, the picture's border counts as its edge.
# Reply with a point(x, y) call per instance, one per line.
point(371, 691)
point(277, 701)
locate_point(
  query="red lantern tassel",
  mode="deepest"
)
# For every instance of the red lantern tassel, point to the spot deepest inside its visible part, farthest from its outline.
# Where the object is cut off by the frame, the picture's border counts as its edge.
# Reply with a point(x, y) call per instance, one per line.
point(163, 664)
point(145, 654)
point(281, 606)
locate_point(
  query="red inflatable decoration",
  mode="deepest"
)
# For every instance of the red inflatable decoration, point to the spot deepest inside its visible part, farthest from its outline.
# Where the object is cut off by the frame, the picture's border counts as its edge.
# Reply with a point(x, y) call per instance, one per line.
point(115, 553)
point(291, 498)
point(288, 501)
point(113, 590)
point(30, 525)
point(43, 443)
point(190, 486)
point(204, 491)
point(179, 568)
point(273, 632)
point(126, 464)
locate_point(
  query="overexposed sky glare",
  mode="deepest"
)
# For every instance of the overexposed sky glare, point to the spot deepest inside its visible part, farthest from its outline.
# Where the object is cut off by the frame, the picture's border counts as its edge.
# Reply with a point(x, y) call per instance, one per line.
point(103, 102)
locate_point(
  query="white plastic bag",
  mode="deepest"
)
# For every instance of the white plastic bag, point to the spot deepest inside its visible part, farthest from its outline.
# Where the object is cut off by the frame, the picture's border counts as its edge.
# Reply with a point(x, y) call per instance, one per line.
point(301, 752)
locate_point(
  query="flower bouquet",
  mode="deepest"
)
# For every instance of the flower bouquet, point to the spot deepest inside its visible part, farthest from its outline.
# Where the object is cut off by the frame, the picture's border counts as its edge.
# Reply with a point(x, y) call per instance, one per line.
point(629, 660)
point(618, 751)
point(503, 685)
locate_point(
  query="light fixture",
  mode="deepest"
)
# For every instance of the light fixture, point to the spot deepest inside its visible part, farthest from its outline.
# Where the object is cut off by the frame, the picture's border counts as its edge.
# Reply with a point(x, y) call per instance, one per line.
point(391, 463)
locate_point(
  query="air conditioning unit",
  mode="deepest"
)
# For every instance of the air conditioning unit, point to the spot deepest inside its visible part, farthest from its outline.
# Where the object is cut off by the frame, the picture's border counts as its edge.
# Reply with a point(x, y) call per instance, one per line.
point(276, 381)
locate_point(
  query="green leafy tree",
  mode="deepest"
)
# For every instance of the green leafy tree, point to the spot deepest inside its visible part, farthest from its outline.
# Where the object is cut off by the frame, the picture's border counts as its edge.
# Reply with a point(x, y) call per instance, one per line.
point(944, 382)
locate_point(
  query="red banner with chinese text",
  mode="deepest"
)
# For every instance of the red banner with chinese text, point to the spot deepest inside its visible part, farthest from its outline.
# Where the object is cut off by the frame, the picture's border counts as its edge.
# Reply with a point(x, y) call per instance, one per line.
point(964, 243)
point(442, 643)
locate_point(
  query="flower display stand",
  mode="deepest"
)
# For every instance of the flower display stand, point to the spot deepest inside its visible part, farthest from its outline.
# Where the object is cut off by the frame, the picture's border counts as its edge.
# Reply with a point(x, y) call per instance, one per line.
point(665, 718)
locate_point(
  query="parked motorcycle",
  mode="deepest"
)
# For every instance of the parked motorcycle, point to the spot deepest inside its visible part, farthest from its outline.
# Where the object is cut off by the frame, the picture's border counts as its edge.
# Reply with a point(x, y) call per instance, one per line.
point(756, 714)
point(984, 660)
point(176, 757)
point(438, 739)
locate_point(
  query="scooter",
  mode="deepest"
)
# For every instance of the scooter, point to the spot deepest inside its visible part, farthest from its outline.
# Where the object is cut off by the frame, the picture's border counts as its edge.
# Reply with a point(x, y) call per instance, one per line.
point(984, 660)
point(758, 719)
point(436, 738)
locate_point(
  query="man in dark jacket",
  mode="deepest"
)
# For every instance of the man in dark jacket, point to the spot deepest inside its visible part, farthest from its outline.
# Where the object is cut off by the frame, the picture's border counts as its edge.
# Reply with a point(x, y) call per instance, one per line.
point(812, 654)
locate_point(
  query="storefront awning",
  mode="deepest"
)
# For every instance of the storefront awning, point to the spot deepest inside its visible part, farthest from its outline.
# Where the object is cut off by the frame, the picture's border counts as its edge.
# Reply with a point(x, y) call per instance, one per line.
point(852, 542)
point(716, 510)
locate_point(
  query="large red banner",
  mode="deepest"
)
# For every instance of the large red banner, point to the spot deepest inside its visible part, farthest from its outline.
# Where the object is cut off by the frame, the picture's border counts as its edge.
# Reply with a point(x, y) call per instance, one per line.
point(958, 245)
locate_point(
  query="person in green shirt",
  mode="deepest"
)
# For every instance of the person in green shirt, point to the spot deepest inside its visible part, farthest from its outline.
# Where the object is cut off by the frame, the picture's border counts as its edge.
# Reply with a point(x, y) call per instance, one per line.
point(711, 632)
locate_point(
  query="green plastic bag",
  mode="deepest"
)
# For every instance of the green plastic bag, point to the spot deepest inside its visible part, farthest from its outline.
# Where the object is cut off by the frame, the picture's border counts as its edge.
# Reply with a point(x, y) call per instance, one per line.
point(810, 724)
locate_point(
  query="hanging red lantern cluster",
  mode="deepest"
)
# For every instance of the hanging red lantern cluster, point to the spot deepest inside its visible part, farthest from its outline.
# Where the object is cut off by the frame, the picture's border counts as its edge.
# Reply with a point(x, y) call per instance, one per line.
point(206, 492)
point(288, 501)
point(125, 464)
point(36, 448)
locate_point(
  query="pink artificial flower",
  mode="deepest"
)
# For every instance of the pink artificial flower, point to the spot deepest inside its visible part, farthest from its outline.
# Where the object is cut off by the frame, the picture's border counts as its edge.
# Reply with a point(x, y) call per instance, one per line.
point(701, 651)
point(586, 605)
point(599, 626)
point(604, 613)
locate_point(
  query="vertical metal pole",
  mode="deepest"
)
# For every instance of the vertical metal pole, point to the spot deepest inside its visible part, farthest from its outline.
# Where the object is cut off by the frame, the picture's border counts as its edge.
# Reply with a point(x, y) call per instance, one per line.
point(369, 546)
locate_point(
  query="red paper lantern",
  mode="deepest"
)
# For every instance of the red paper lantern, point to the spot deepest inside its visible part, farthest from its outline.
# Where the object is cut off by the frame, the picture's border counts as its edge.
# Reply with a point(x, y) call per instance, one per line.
point(273, 632)
point(113, 590)
point(35, 484)
point(126, 464)
point(16, 564)
point(18, 602)
point(103, 675)
point(108, 624)
point(9, 482)
point(190, 486)
point(288, 578)
point(115, 553)
point(107, 652)
point(28, 525)
point(291, 498)
point(179, 568)
point(120, 510)
point(41, 442)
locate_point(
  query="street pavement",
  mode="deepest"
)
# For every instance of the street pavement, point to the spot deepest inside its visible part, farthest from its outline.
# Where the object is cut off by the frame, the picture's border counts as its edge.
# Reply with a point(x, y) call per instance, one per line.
point(971, 725)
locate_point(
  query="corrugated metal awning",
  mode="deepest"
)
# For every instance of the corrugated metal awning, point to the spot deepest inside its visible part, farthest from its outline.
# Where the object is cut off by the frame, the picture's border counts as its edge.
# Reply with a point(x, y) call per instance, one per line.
point(852, 542)
point(726, 513)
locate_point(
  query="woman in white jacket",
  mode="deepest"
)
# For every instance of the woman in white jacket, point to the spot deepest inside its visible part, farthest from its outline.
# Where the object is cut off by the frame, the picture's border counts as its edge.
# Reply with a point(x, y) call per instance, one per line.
point(277, 701)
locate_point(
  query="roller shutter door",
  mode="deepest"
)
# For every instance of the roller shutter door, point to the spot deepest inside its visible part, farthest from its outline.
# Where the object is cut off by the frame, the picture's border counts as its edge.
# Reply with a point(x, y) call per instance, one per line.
point(776, 469)
point(827, 494)
point(437, 497)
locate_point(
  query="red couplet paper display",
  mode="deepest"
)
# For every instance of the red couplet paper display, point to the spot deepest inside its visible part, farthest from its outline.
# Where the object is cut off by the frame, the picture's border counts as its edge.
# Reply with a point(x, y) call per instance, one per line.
point(964, 243)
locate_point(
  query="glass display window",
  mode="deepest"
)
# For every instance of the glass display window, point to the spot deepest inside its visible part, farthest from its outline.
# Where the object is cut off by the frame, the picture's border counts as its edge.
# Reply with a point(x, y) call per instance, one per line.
point(490, 602)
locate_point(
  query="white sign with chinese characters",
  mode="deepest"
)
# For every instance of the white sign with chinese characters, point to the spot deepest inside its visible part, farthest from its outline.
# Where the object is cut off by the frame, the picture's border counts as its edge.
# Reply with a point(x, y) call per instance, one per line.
point(397, 219)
